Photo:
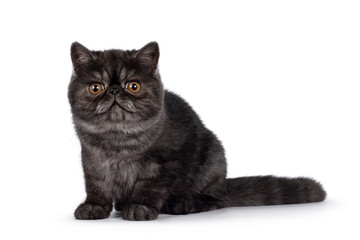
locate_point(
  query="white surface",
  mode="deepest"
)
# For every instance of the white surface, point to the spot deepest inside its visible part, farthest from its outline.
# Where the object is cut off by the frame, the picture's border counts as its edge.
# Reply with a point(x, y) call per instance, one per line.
point(277, 81)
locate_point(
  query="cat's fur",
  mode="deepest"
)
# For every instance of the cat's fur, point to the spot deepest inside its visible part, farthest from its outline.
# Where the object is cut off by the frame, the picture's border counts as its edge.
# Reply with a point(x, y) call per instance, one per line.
point(148, 152)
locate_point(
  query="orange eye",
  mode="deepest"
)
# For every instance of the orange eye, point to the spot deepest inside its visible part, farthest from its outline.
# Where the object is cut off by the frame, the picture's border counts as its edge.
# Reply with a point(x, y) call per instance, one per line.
point(96, 88)
point(133, 87)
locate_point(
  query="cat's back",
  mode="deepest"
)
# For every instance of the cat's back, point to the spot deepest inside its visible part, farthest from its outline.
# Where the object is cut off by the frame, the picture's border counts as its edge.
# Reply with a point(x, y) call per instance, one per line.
point(180, 111)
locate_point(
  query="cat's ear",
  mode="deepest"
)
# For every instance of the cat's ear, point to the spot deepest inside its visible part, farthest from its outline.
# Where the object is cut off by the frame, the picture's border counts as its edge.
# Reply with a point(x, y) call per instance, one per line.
point(149, 55)
point(80, 56)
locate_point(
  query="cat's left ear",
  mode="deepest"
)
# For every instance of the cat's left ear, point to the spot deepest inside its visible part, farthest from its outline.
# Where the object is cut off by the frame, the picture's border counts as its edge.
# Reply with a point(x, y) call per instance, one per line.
point(81, 56)
point(149, 55)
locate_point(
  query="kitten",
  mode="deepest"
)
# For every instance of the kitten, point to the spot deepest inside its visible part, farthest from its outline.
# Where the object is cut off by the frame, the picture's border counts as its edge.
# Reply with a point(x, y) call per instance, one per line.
point(146, 151)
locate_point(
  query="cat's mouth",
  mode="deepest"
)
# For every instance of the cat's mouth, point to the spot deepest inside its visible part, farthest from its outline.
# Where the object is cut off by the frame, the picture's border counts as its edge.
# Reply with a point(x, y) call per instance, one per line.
point(111, 106)
point(117, 107)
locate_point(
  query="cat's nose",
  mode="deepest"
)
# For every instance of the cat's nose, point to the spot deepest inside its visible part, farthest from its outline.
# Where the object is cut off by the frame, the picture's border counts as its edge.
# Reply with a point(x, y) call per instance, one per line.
point(114, 91)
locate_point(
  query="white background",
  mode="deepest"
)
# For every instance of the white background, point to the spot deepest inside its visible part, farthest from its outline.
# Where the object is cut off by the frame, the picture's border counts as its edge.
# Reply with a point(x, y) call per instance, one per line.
point(277, 81)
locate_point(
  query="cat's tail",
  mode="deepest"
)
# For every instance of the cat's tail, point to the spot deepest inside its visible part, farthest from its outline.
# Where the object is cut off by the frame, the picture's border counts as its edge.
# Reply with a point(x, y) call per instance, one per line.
point(270, 190)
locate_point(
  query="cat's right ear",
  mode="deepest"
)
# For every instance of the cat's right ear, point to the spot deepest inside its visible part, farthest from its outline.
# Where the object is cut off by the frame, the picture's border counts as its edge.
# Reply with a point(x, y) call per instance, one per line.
point(81, 57)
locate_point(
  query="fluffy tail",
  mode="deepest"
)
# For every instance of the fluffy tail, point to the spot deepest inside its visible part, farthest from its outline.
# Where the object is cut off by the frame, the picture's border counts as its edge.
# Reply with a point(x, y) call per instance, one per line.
point(270, 190)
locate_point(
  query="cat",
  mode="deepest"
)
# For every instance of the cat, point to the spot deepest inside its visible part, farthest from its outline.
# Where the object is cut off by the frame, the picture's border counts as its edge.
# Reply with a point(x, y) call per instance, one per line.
point(145, 151)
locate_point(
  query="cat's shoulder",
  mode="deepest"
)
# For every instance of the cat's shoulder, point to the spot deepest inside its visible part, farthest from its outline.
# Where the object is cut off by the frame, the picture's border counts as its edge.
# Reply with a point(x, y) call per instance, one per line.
point(175, 102)
point(179, 109)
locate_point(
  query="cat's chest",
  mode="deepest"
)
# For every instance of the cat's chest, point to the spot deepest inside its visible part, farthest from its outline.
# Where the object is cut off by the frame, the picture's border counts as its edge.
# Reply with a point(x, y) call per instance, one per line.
point(118, 177)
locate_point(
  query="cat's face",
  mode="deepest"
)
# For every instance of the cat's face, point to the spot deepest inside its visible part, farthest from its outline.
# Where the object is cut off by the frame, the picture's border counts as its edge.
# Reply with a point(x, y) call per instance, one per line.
point(115, 89)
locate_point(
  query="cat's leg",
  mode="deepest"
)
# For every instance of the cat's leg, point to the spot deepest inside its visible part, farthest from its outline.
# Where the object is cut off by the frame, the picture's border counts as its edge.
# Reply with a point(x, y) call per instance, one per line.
point(119, 204)
point(120, 200)
point(146, 200)
point(98, 203)
point(185, 204)
point(99, 200)
point(96, 206)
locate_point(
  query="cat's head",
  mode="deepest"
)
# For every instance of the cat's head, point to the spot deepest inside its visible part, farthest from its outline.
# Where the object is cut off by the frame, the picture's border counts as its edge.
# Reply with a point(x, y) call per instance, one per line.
point(115, 89)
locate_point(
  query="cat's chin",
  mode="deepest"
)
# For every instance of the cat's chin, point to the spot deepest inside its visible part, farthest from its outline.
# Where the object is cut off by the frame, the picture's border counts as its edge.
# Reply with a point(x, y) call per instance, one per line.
point(116, 113)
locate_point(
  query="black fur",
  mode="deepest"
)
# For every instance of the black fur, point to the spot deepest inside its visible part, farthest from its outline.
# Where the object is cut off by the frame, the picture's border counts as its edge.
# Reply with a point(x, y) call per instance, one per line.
point(148, 152)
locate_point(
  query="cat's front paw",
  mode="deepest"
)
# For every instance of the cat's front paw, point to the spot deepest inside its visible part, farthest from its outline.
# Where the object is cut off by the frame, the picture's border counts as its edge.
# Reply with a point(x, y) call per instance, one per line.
point(139, 212)
point(92, 211)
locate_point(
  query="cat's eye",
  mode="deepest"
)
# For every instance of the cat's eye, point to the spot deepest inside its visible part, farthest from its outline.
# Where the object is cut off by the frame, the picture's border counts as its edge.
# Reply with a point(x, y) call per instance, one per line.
point(96, 88)
point(133, 87)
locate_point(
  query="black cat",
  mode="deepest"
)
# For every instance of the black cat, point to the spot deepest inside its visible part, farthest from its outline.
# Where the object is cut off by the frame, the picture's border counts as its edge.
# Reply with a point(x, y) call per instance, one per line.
point(146, 151)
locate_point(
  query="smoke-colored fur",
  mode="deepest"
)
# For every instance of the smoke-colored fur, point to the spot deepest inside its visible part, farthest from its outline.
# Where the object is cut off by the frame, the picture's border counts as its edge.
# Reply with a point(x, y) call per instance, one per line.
point(148, 152)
